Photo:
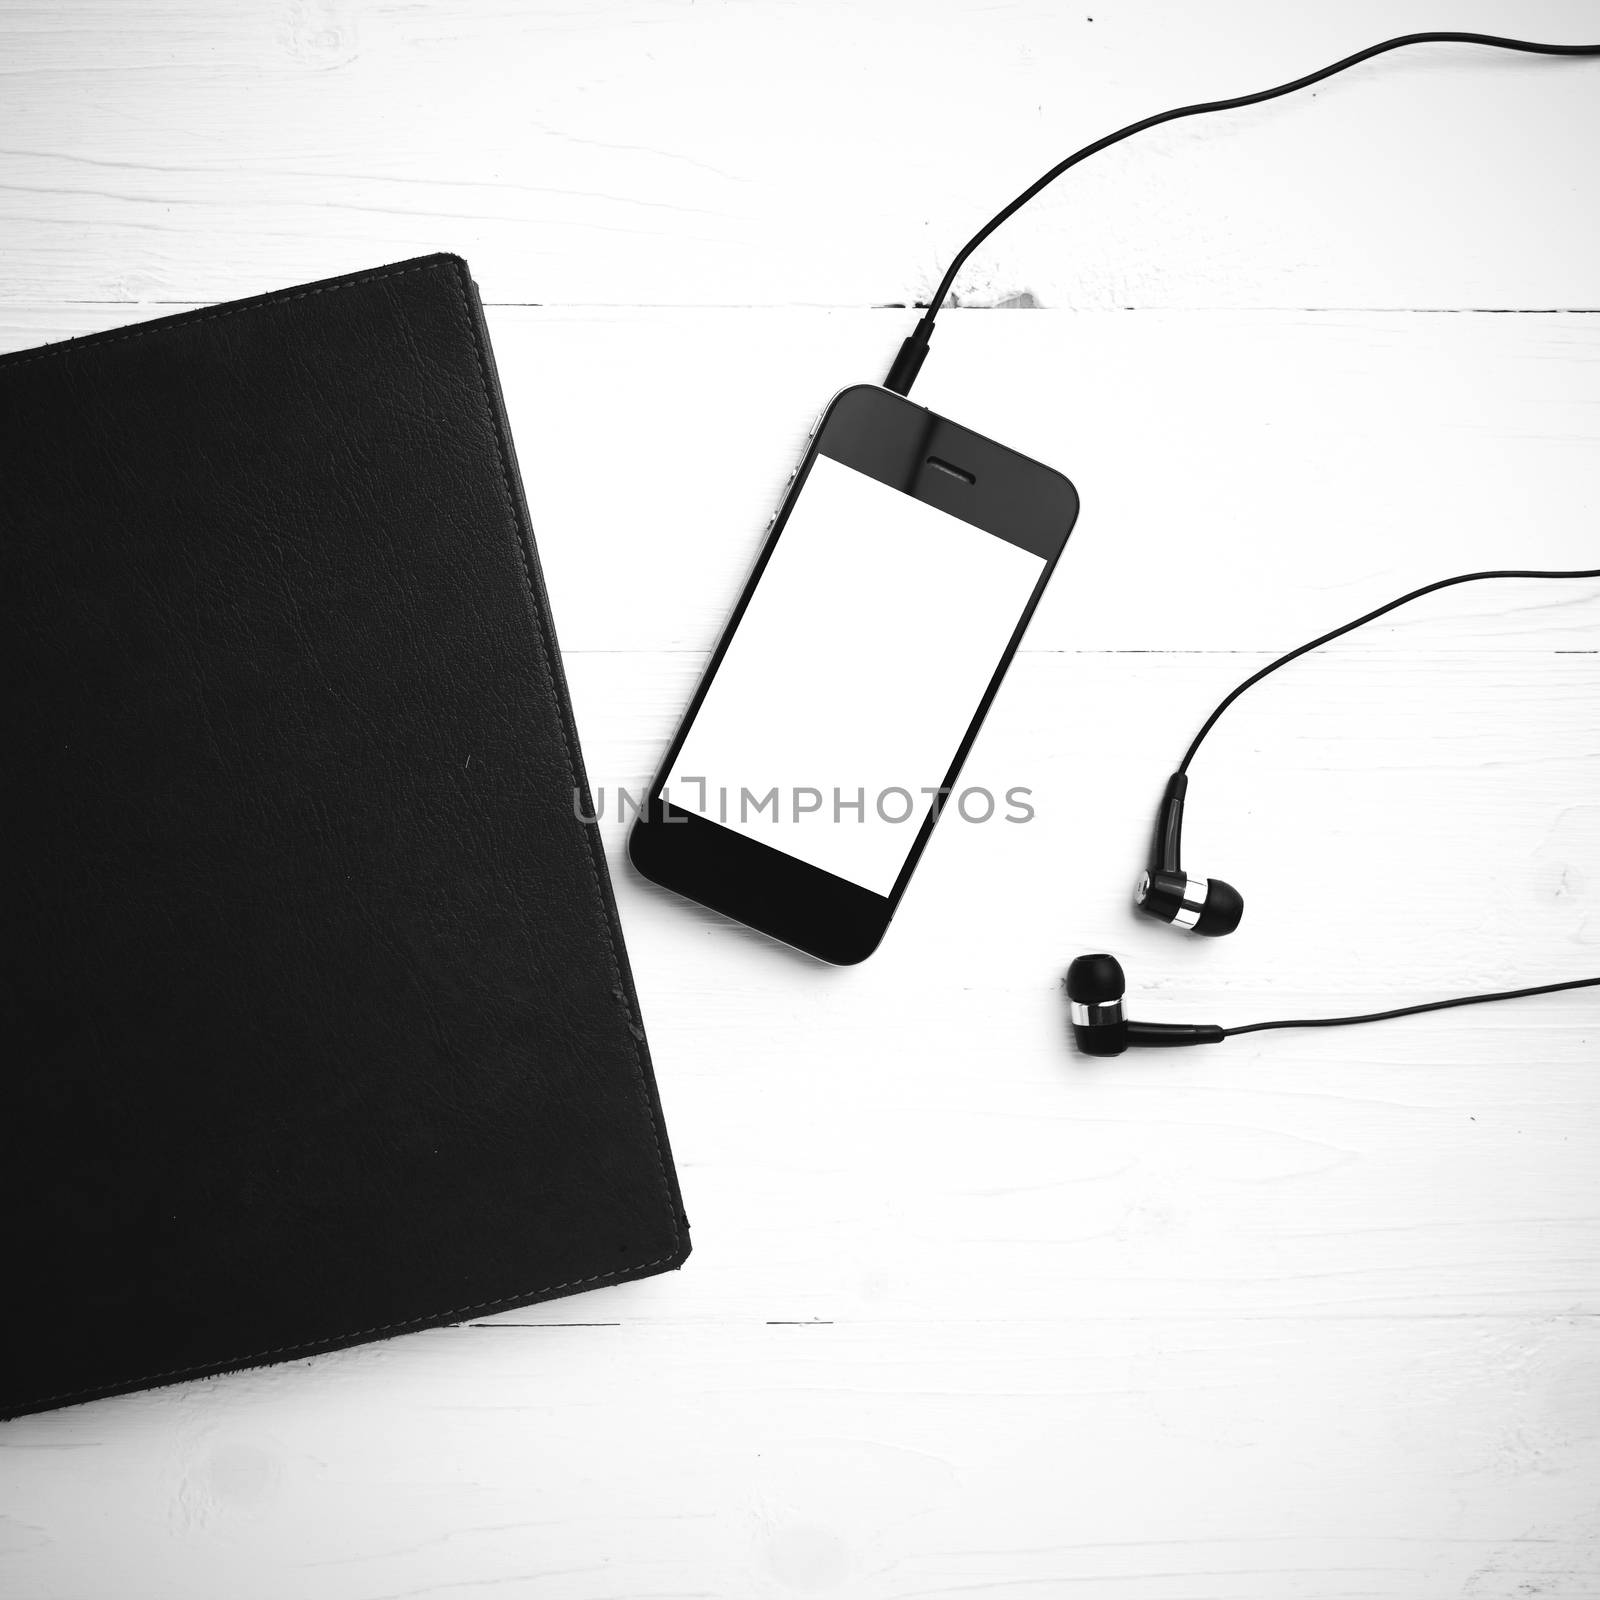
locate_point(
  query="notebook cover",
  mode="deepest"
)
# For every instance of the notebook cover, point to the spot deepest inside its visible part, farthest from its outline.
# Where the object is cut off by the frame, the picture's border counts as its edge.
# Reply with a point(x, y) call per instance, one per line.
point(319, 1024)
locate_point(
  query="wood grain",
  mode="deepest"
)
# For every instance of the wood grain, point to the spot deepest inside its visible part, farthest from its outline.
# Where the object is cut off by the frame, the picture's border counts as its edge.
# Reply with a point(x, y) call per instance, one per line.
point(649, 152)
point(1300, 1316)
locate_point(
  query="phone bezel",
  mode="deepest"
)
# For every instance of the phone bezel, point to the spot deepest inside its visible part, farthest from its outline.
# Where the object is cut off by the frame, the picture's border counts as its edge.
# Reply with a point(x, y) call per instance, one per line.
point(1011, 497)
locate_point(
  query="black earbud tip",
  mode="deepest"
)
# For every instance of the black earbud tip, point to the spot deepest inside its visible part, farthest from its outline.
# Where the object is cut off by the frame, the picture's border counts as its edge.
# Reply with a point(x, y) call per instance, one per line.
point(1096, 980)
point(1223, 908)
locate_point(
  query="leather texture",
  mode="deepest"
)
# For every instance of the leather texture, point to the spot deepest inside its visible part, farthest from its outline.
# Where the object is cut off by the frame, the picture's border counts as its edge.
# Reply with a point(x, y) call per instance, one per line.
point(319, 1021)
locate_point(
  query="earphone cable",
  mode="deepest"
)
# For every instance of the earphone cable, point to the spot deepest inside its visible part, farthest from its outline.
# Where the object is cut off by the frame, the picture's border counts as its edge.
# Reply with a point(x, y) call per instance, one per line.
point(915, 347)
point(1283, 660)
point(1210, 722)
point(1411, 1011)
point(1361, 622)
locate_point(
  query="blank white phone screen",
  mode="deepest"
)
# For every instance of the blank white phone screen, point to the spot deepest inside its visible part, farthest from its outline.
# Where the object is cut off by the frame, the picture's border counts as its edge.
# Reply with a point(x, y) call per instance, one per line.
point(853, 676)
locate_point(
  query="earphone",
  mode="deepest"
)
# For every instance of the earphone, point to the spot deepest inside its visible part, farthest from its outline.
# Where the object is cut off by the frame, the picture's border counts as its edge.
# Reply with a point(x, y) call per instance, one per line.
point(1095, 987)
point(1166, 892)
point(1210, 906)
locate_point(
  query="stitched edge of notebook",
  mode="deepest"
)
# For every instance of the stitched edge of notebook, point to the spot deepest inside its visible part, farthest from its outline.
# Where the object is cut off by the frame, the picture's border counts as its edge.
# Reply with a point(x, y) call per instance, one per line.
point(211, 1369)
point(547, 653)
point(458, 275)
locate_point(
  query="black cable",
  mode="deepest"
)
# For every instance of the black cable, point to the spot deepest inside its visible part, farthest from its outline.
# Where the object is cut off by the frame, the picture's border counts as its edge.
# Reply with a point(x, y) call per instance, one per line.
point(1210, 722)
point(914, 350)
point(1411, 1011)
point(909, 361)
point(1349, 627)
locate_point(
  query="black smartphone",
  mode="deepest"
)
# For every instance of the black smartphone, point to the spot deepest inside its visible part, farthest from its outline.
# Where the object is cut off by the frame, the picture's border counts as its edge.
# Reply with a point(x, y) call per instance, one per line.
point(829, 729)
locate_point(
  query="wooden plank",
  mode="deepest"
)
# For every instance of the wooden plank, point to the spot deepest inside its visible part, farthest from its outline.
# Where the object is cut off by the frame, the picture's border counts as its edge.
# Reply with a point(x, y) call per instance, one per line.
point(1161, 1458)
point(1248, 480)
point(646, 152)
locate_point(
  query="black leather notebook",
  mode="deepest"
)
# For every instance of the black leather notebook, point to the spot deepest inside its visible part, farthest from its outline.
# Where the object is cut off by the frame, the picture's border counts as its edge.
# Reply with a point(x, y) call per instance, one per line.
point(318, 1021)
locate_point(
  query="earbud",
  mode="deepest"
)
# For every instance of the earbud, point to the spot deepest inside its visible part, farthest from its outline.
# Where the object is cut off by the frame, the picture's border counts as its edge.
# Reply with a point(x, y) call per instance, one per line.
point(1209, 906)
point(1166, 892)
point(1095, 986)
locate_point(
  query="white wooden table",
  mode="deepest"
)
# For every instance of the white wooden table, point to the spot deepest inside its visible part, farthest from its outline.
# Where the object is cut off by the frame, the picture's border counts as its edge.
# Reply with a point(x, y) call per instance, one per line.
point(1301, 1316)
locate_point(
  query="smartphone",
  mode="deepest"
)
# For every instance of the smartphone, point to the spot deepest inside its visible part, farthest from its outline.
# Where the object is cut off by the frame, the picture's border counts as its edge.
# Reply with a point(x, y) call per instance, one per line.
point(829, 729)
